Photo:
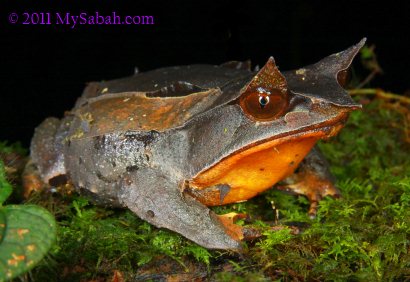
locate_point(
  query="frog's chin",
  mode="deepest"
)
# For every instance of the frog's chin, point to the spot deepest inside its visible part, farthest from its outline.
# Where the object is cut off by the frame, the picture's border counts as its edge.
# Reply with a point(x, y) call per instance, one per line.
point(249, 172)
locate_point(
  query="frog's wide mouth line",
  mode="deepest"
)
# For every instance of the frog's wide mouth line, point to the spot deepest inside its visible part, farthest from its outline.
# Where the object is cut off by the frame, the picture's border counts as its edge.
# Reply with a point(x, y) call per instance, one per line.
point(321, 130)
point(327, 127)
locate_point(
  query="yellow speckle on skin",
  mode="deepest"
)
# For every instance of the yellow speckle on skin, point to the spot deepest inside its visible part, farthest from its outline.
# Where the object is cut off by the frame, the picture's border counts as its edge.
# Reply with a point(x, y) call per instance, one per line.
point(87, 117)
point(301, 71)
point(2, 225)
point(77, 134)
point(15, 260)
point(105, 90)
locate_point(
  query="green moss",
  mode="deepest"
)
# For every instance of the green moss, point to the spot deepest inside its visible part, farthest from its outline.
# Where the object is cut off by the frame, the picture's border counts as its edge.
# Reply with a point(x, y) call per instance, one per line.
point(362, 236)
point(366, 233)
point(7, 148)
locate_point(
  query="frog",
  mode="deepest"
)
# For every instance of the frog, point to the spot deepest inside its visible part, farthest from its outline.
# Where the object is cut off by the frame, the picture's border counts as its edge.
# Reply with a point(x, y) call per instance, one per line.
point(170, 143)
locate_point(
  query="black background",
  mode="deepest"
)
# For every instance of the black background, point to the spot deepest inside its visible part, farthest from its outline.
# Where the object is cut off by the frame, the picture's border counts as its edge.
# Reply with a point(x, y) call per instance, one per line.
point(44, 68)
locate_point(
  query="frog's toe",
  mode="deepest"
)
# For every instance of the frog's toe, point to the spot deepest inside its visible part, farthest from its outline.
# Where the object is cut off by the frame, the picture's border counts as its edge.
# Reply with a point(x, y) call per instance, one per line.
point(313, 187)
point(239, 233)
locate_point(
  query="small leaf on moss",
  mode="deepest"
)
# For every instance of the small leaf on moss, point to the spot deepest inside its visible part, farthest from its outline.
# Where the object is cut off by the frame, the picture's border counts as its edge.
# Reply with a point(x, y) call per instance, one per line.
point(26, 234)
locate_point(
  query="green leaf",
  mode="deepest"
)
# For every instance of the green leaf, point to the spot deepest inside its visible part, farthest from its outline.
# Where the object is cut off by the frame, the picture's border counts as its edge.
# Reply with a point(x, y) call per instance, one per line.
point(5, 187)
point(26, 234)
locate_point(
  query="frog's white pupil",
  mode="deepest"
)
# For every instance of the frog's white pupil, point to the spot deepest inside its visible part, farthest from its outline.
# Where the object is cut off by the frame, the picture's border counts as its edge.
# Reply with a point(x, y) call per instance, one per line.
point(263, 101)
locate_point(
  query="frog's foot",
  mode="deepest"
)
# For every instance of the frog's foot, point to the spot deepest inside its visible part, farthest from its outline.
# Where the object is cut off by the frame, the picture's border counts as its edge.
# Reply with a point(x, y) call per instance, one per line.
point(158, 200)
point(312, 186)
point(312, 179)
point(31, 179)
point(239, 233)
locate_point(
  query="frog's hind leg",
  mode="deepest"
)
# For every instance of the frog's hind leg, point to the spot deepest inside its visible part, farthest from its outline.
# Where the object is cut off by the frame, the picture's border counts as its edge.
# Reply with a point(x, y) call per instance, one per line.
point(312, 179)
point(158, 200)
point(46, 164)
point(31, 179)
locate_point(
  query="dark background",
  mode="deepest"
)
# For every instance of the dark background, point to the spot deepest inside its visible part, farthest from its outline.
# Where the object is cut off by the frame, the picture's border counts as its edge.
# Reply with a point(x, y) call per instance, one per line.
point(44, 68)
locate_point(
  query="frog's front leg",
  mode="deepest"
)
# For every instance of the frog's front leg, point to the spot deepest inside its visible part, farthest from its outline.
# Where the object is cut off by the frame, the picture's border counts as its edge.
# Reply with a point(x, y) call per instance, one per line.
point(45, 167)
point(312, 179)
point(158, 200)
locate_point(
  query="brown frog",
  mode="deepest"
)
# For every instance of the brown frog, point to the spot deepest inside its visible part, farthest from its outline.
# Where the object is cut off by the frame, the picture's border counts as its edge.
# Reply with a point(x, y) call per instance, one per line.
point(170, 142)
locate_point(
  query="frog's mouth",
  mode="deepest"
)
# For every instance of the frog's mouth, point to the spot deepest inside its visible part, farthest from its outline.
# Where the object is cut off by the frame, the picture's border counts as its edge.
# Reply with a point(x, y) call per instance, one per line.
point(257, 167)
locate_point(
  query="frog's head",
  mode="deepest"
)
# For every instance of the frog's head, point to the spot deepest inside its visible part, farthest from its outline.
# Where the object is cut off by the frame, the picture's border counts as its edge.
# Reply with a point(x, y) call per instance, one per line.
point(262, 125)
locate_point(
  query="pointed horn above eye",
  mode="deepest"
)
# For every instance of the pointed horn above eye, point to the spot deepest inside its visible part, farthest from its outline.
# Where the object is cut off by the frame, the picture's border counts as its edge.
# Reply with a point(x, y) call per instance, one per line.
point(320, 80)
point(265, 97)
point(340, 61)
point(268, 78)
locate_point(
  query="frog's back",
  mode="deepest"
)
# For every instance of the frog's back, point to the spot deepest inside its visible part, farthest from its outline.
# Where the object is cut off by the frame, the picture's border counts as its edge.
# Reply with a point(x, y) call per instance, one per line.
point(157, 100)
point(170, 81)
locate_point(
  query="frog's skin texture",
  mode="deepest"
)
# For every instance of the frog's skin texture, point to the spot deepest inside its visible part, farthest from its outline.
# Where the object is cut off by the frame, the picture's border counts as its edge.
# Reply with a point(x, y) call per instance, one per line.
point(169, 142)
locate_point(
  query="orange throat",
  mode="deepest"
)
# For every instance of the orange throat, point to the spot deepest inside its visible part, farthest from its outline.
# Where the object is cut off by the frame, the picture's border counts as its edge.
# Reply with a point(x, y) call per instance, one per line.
point(247, 173)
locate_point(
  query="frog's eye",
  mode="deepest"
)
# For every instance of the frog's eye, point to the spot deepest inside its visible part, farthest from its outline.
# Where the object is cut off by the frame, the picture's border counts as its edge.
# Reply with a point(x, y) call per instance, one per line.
point(265, 97)
point(263, 105)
